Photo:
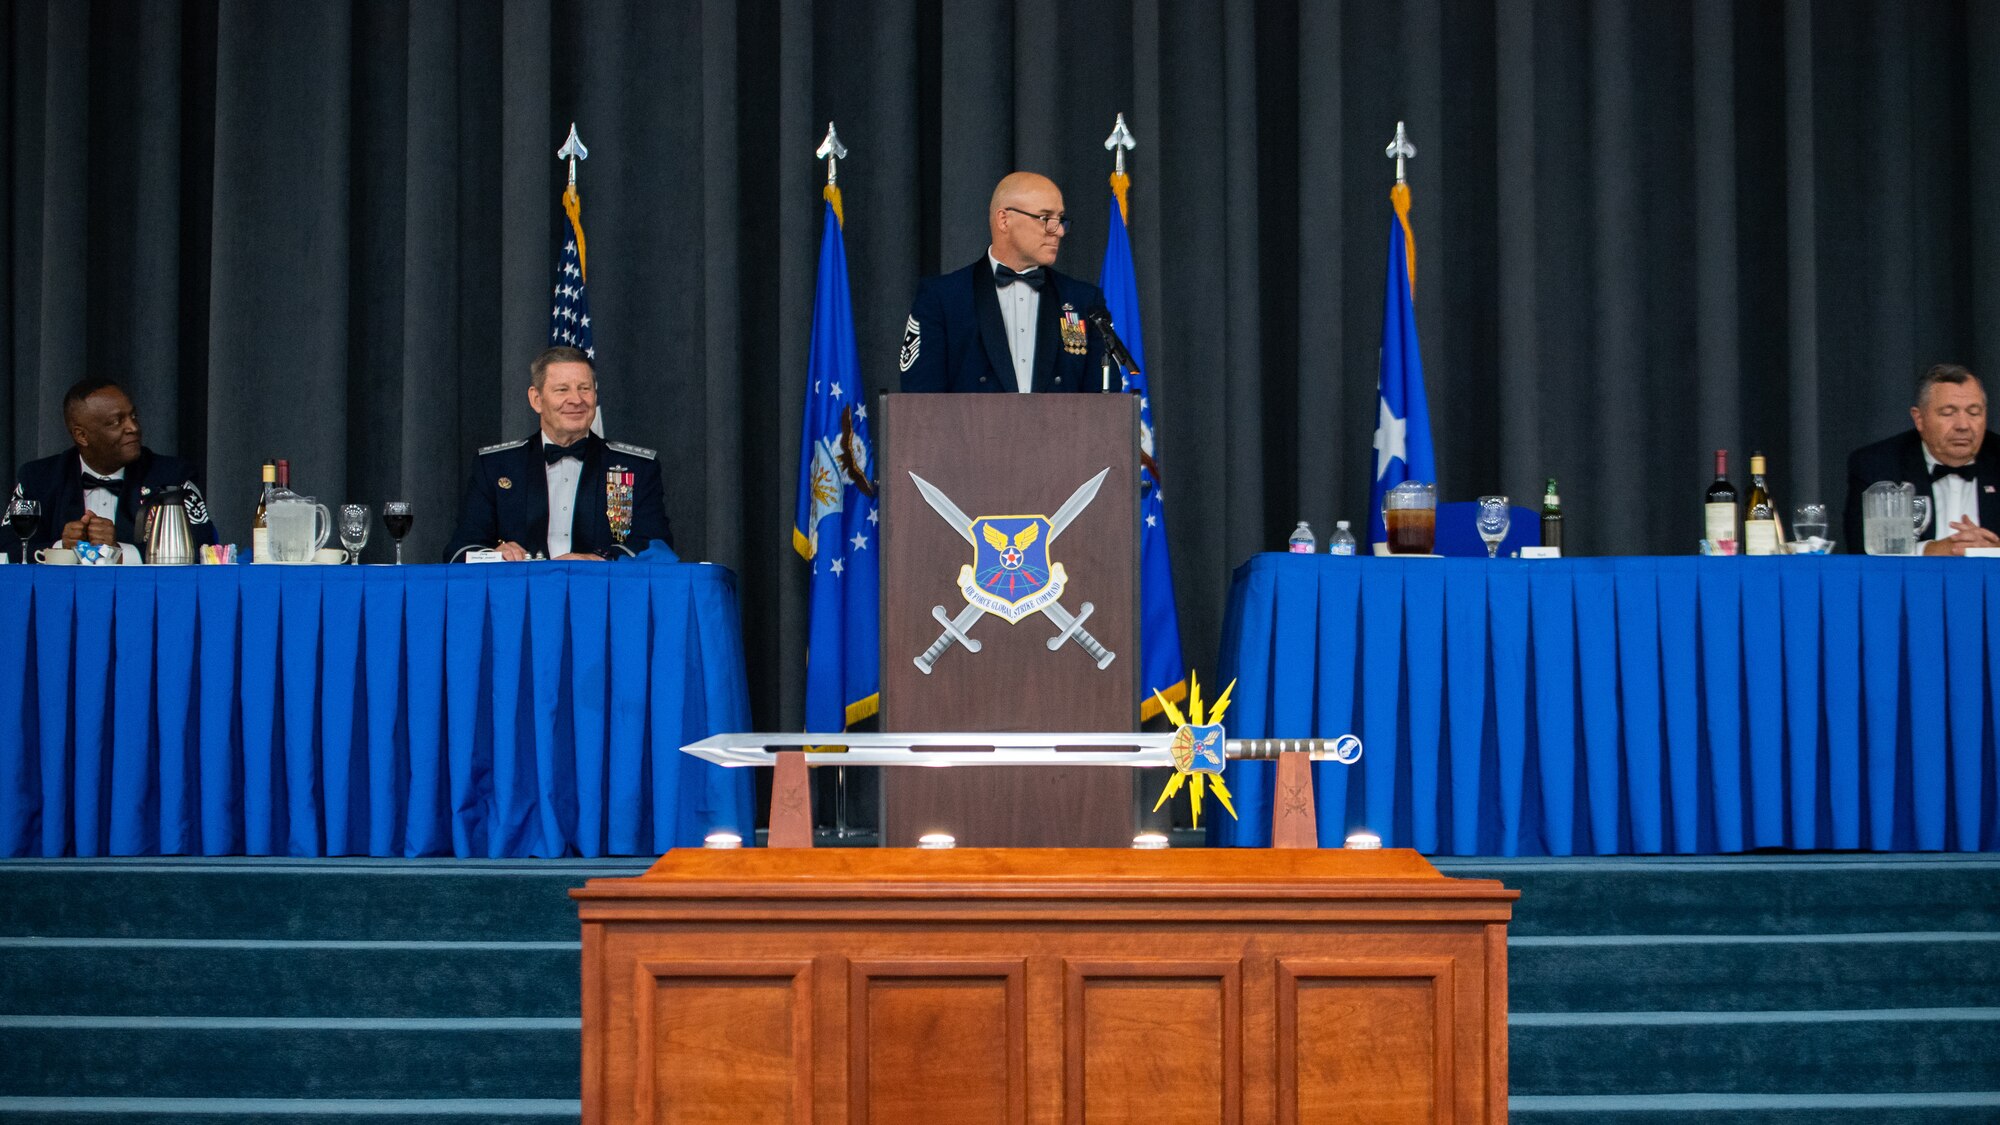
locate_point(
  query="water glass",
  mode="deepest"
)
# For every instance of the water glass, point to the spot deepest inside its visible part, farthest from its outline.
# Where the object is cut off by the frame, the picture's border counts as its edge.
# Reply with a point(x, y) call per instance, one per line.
point(1920, 518)
point(354, 522)
point(1809, 527)
point(1495, 515)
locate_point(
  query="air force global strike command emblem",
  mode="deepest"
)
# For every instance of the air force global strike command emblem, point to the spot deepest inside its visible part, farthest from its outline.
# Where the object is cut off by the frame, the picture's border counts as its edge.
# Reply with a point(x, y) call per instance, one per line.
point(1011, 574)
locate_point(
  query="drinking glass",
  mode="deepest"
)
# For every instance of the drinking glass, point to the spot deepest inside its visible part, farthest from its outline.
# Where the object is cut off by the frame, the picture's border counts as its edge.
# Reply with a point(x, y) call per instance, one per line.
point(23, 517)
point(397, 517)
point(1495, 515)
point(1920, 517)
point(354, 523)
point(1809, 526)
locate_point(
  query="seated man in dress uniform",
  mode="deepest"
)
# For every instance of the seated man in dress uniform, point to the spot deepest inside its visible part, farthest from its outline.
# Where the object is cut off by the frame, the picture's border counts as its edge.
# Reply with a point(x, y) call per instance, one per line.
point(1940, 457)
point(92, 492)
point(1009, 321)
point(562, 493)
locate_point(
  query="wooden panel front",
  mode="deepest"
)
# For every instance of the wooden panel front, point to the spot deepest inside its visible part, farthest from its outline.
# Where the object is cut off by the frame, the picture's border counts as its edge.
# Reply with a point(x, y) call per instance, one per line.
point(1154, 1042)
point(890, 986)
point(1009, 455)
point(722, 1042)
point(938, 1041)
point(1365, 1041)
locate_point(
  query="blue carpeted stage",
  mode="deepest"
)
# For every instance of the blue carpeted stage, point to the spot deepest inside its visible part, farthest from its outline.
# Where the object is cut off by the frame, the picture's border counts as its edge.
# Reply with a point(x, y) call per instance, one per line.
point(1754, 990)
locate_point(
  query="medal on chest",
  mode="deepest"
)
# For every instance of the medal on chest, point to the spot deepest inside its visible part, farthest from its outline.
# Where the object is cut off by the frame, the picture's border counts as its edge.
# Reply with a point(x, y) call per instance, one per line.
point(618, 501)
point(1072, 331)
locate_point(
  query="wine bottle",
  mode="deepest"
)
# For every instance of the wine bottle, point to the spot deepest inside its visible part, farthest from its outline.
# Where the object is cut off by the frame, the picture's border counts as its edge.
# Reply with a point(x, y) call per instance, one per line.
point(284, 478)
point(260, 530)
point(1719, 509)
point(1552, 517)
point(1760, 521)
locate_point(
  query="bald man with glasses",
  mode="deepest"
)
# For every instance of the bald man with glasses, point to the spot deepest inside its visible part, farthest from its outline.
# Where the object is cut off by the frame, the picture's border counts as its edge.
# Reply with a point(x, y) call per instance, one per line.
point(1009, 321)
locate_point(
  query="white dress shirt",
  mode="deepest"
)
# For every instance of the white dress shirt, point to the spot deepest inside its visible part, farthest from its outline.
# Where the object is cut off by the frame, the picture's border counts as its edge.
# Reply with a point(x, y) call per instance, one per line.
point(103, 503)
point(1019, 305)
point(563, 478)
point(1952, 498)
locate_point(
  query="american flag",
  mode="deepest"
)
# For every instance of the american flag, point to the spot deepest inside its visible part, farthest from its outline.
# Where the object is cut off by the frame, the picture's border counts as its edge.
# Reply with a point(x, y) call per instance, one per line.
point(569, 319)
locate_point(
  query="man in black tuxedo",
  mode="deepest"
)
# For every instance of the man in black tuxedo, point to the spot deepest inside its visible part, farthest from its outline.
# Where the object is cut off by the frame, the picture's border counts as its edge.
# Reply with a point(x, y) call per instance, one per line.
point(1009, 321)
point(92, 492)
point(562, 493)
point(1940, 457)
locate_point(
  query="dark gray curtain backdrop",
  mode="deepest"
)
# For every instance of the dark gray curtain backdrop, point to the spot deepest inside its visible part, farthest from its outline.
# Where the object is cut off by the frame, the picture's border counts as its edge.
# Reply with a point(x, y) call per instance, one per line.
point(1645, 230)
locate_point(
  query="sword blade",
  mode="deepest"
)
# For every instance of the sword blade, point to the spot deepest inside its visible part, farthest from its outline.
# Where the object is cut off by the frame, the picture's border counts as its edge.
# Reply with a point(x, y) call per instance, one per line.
point(1077, 502)
point(942, 505)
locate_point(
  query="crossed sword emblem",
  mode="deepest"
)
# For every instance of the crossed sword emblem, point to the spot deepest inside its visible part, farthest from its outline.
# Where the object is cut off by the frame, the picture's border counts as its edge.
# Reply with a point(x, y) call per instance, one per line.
point(958, 628)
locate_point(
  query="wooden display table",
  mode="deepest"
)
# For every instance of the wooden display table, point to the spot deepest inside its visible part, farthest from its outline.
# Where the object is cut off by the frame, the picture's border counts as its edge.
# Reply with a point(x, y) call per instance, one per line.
point(1044, 985)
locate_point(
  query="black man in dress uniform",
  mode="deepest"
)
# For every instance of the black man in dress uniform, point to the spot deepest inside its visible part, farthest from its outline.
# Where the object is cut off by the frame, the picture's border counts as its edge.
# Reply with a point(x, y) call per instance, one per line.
point(1009, 321)
point(92, 492)
point(563, 492)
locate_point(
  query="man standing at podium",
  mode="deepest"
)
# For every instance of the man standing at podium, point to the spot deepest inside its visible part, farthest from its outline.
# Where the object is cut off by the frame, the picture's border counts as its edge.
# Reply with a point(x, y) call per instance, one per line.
point(1009, 321)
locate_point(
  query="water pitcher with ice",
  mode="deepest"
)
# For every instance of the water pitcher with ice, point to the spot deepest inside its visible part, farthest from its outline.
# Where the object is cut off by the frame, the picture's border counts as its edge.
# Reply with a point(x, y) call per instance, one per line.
point(299, 527)
point(1886, 518)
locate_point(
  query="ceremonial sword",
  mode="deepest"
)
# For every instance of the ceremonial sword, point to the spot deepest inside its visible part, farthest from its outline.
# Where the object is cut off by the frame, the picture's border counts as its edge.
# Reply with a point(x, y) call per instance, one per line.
point(1071, 624)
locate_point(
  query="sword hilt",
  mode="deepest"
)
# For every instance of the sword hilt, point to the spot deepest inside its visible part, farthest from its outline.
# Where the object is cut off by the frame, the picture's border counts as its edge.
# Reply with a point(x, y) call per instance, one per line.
point(1075, 631)
point(1346, 748)
point(954, 630)
point(929, 656)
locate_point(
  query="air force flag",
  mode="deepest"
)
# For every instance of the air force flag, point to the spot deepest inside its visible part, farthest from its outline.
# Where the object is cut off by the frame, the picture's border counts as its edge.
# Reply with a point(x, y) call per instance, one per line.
point(1402, 419)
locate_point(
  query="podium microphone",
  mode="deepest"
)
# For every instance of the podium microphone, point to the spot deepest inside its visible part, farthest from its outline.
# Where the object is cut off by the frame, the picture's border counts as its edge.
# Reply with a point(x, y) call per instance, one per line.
point(1114, 348)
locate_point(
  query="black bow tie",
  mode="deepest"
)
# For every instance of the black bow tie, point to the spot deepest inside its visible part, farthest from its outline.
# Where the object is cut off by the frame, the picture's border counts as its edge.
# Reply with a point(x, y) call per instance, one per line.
point(113, 485)
point(1969, 470)
point(557, 452)
point(1032, 278)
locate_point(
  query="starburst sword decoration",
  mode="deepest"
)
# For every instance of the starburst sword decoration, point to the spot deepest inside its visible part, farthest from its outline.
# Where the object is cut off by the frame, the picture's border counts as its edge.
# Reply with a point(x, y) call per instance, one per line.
point(1198, 749)
point(1118, 144)
point(956, 628)
point(1399, 150)
point(573, 151)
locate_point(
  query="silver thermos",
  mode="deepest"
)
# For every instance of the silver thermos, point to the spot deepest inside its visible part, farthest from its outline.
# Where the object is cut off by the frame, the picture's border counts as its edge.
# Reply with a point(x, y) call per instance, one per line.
point(164, 530)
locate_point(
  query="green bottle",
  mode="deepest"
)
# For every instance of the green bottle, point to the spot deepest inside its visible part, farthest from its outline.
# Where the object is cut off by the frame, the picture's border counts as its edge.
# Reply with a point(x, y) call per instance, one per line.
point(1552, 517)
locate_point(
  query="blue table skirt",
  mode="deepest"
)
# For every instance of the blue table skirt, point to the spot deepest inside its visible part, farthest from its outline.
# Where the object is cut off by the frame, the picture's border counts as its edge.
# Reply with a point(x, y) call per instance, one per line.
point(1628, 705)
point(498, 710)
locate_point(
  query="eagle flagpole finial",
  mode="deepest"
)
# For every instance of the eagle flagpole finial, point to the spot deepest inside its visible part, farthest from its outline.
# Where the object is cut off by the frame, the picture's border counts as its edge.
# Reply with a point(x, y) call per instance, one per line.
point(1119, 143)
point(831, 151)
point(572, 151)
point(1399, 150)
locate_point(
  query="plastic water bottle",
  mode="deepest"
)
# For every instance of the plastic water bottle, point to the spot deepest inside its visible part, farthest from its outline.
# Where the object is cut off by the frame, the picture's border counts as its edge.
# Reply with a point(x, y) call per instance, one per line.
point(1342, 541)
point(1302, 541)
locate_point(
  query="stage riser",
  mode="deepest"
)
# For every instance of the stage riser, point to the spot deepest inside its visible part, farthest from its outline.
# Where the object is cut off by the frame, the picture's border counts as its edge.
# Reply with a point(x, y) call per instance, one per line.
point(1630, 980)
point(1717, 975)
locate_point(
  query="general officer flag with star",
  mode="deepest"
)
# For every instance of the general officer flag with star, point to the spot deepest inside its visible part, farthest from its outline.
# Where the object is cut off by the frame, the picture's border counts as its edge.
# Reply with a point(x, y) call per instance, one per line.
point(1403, 420)
point(837, 518)
point(569, 318)
point(1160, 666)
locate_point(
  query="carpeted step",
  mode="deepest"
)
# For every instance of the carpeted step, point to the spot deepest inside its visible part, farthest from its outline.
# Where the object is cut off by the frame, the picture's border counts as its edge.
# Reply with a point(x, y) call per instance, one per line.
point(1886, 1051)
point(1753, 972)
point(1757, 1109)
point(320, 899)
point(1816, 894)
point(241, 1057)
point(289, 1111)
point(238, 977)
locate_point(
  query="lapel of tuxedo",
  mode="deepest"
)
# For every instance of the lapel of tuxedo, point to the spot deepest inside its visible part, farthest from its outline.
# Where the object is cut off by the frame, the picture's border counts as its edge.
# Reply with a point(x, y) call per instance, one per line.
point(1048, 323)
point(535, 491)
point(589, 527)
point(992, 329)
point(125, 515)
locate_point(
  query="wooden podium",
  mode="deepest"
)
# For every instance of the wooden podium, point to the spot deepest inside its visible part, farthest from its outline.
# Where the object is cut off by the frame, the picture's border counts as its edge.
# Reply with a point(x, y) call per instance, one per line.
point(994, 455)
point(889, 986)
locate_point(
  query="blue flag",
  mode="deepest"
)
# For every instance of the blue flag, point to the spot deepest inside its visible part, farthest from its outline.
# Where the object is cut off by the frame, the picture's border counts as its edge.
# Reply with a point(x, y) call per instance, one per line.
point(836, 524)
point(1402, 419)
point(1160, 666)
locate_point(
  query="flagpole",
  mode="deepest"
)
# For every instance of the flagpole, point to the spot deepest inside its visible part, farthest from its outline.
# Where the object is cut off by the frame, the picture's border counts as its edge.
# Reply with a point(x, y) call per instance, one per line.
point(1118, 143)
point(832, 151)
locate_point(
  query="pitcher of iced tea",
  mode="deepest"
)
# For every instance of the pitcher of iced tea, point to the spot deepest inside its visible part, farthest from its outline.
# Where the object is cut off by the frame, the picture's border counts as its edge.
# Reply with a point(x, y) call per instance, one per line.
point(1409, 512)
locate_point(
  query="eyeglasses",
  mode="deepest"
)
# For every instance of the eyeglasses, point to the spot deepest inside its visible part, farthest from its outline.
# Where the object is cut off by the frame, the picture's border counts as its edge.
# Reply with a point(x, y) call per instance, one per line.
point(1050, 223)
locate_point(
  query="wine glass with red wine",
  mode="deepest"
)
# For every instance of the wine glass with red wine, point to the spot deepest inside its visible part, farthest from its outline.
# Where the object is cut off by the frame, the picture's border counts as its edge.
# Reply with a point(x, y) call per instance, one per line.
point(397, 517)
point(24, 516)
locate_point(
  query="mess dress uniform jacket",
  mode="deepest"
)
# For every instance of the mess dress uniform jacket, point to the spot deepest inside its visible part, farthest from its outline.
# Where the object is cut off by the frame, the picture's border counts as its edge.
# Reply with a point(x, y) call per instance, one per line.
point(1901, 458)
point(508, 499)
point(955, 339)
point(58, 483)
